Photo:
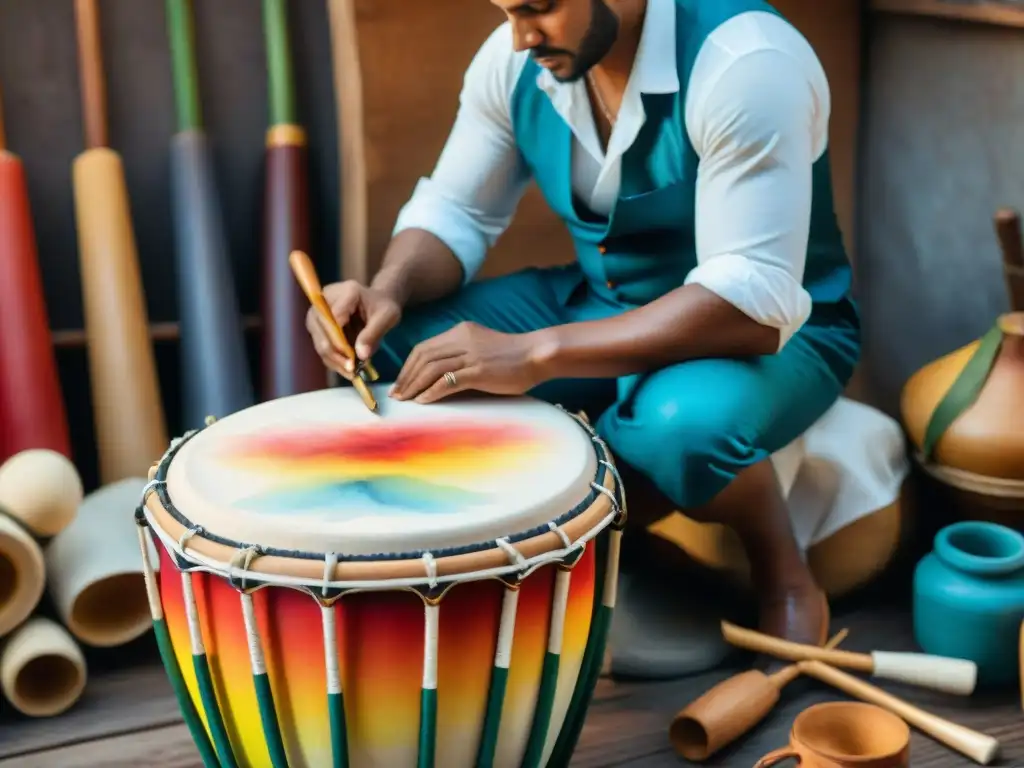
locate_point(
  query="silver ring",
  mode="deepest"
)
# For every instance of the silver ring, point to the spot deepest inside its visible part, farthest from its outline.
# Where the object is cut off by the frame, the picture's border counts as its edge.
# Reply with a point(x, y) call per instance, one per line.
point(450, 378)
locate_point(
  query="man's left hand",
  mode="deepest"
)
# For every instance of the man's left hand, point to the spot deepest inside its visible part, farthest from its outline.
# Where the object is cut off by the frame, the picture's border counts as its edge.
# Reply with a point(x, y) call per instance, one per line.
point(475, 357)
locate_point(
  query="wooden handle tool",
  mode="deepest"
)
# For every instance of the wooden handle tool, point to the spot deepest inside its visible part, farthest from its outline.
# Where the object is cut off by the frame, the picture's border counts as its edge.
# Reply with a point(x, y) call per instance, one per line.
point(731, 709)
point(979, 747)
point(1008, 230)
point(940, 673)
point(305, 273)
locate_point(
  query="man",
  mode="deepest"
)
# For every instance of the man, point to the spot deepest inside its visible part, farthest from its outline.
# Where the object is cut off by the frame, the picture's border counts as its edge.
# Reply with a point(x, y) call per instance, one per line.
point(706, 321)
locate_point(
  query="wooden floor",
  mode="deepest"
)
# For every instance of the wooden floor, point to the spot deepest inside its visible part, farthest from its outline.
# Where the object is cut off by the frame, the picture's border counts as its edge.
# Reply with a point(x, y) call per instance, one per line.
point(128, 717)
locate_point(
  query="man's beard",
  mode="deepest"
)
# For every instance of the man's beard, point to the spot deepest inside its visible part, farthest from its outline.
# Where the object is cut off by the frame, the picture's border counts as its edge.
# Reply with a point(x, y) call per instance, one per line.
point(601, 35)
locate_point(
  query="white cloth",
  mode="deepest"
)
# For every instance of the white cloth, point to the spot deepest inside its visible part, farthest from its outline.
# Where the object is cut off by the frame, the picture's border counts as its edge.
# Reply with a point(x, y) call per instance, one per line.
point(757, 110)
point(851, 463)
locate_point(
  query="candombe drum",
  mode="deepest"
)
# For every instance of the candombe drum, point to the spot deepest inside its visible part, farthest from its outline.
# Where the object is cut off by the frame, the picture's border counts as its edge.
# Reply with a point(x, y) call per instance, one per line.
point(428, 586)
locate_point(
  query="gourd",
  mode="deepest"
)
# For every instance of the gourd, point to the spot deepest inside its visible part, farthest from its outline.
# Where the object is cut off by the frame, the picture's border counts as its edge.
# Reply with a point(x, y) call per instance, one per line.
point(964, 412)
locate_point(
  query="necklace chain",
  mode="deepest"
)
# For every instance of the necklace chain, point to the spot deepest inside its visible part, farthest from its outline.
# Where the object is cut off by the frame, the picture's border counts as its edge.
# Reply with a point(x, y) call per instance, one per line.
point(600, 100)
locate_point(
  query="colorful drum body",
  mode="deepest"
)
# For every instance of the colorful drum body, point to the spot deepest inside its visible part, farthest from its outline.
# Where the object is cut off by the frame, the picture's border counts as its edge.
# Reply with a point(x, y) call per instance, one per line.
point(431, 586)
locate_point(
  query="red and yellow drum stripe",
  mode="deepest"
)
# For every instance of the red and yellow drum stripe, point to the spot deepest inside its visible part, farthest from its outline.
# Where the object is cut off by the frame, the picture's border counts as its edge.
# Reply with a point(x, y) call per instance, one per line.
point(380, 639)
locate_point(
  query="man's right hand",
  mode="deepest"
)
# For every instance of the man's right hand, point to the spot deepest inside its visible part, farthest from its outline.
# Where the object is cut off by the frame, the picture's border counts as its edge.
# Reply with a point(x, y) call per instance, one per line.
point(353, 304)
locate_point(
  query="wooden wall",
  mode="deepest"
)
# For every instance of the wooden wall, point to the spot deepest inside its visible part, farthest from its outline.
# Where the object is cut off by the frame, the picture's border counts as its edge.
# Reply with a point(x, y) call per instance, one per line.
point(405, 125)
point(943, 147)
point(412, 64)
point(941, 119)
point(835, 30)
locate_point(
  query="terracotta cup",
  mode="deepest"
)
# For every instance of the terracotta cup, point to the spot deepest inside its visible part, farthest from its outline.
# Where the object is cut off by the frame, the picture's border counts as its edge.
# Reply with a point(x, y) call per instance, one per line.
point(840, 734)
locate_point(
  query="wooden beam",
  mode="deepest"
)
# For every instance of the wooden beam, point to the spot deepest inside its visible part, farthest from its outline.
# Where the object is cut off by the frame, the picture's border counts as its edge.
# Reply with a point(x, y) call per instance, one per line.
point(999, 12)
point(72, 338)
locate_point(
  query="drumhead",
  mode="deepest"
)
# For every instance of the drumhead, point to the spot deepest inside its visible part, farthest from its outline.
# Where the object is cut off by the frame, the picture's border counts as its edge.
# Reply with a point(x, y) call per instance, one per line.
point(318, 472)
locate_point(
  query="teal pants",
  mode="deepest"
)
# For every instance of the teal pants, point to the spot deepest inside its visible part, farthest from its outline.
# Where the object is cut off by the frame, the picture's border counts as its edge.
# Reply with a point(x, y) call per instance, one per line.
point(689, 428)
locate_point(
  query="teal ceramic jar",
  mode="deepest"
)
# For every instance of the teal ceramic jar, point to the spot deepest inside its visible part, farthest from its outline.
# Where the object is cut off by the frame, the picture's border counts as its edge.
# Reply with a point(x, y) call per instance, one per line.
point(969, 598)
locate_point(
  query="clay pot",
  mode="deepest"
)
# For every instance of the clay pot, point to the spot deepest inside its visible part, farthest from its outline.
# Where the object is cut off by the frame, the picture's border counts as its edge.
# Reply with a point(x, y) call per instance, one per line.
point(844, 734)
point(969, 598)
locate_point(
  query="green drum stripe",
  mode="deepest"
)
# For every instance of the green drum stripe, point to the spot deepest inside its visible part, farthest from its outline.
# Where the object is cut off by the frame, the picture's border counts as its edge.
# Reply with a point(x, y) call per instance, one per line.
point(593, 655)
point(549, 671)
point(428, 728)
point(209, 699)
point(590, 670)
point(339, 735)
point(166, 648)
point(492, 717)
point(499, 678)
point(542, 713)
point(268, 717)
point(261, 683)
point(188, 710)
point(335, 698)
point(428, 698)
point(207, 694)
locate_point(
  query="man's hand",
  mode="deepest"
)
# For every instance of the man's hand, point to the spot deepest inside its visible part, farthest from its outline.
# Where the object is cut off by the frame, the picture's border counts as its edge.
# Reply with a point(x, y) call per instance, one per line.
point(353, 304)
point(480, 359)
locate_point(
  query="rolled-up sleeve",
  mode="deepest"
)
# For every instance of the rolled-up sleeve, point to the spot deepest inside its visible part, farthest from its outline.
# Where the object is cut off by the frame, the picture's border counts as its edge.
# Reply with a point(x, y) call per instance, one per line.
point(758, 122)
point(480, 177)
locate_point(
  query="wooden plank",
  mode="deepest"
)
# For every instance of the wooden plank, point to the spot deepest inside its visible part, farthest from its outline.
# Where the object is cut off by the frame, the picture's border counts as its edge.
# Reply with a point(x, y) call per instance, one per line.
point(115, 702)
point(169, 747)
point(1010, 14)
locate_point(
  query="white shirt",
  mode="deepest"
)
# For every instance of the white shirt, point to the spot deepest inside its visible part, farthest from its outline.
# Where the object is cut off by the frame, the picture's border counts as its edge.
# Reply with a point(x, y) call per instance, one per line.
point(756, 112)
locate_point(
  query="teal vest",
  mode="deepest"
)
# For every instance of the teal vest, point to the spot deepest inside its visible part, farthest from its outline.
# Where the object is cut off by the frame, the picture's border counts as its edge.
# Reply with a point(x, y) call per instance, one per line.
point(646, 247)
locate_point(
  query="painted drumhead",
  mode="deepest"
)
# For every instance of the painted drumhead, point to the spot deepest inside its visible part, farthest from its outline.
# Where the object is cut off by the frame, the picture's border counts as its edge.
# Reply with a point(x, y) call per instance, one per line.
point(318, 472)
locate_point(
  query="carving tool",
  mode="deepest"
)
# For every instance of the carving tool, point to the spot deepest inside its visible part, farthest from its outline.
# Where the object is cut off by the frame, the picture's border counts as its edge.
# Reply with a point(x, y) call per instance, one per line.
point(364, 372)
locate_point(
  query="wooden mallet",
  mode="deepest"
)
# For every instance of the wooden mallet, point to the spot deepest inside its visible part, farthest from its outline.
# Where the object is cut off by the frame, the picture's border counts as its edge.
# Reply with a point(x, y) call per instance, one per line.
point(940, 673)
point(731, 709)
